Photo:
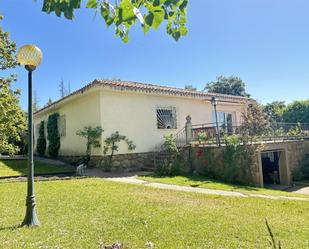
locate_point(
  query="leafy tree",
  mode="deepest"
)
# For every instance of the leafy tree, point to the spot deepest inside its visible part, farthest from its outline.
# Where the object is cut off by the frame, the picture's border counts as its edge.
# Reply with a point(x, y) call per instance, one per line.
point(111, 144)
point(41, 141)
point(298, 111)
point(227, 85)
point(190, 87)
point(92, 136)
point(53, 135)
point(255, 123)
point(7, 50)
point(12, 120)
point(123, 14)
point(275, 111)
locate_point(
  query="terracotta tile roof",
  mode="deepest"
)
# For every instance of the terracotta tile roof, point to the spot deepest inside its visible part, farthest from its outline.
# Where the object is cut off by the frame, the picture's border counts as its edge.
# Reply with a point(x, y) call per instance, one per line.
point(150, 88)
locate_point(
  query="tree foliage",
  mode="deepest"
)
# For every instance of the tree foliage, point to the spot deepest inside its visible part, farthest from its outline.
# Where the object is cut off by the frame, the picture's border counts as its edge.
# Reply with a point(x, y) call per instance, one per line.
point(255, 123)
point(275, 110)
point(190, 87)
point(12, 119)
point(123, 14)
point(7, 50)
point(53, 135)
point(227, 85)
point(297, 111)
point(41, 141)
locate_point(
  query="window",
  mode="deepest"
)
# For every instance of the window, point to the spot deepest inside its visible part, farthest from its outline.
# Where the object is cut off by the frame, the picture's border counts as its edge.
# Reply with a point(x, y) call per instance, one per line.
point(225, 120)
point(62, 126)
point(166, 118)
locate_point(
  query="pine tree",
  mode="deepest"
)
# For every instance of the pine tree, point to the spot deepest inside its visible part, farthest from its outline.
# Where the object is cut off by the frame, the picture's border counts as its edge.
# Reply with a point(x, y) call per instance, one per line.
point(49, 102)
point(62, 89)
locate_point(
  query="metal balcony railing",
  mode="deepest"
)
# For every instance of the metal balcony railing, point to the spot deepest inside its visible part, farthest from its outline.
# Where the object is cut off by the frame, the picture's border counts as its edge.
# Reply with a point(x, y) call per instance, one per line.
point(208, 134)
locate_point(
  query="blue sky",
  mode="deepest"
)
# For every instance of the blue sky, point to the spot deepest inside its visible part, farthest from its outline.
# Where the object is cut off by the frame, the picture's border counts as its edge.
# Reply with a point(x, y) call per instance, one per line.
point(264, 42)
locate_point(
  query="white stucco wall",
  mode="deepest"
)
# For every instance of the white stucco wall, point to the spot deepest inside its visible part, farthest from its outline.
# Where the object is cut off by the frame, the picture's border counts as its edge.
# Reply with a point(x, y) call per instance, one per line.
point(82, 111)
point(133, 114)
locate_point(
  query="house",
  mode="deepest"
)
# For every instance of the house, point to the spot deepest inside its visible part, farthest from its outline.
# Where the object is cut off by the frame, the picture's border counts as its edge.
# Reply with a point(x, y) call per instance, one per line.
point(142, 112)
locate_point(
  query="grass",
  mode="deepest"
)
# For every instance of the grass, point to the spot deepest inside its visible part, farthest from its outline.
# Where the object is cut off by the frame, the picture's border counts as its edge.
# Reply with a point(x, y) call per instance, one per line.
point(202, 182)
point(83, 213)
point(19, 168)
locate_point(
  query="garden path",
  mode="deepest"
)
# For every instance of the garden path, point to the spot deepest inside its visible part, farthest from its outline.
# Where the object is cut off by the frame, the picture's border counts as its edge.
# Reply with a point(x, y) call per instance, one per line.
point(131, 178)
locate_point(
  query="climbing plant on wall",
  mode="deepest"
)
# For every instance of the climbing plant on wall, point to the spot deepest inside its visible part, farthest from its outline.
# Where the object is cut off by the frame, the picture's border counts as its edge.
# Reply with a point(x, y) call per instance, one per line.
point(53, 135)
point(41, 141)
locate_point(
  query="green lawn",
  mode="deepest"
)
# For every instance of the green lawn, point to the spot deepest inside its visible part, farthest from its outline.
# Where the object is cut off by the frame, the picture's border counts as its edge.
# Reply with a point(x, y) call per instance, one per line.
point(202, 182)
point(82, 213)
point(19, 168)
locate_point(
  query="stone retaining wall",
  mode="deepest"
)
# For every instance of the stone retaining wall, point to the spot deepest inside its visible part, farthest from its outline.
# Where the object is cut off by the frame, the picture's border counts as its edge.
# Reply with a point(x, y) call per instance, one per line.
point(196, 162)
point(121, 162)
point(296, 152)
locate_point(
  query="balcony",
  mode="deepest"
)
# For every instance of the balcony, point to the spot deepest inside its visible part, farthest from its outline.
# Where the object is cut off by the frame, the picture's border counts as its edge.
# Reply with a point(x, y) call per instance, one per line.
point(208, 134)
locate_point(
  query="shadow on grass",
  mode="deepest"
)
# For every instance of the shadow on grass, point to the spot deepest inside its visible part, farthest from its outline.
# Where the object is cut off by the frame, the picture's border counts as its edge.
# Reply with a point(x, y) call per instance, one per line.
point(19, 168)
point(202, 181)
point(10, 228)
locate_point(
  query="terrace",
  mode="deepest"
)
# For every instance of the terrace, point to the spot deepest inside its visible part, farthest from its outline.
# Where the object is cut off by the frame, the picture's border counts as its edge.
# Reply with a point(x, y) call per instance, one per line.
point(211, 134)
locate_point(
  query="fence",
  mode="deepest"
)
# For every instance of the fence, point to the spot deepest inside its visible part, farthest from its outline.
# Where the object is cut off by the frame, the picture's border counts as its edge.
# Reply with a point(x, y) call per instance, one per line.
point(209, 134)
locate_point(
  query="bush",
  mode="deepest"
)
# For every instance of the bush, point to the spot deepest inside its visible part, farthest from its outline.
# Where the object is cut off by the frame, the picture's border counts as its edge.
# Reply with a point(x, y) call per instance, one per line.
point(233, 163)
point(168, 168)
point(41, 141)
point(53, 135)
point(296, 130)
point(302, 172)
point(111, 144)
point(171, 163)
point(92, 136)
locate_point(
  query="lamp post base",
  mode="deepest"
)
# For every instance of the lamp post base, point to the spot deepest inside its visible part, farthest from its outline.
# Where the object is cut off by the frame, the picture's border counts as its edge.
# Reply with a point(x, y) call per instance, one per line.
point(31, 218)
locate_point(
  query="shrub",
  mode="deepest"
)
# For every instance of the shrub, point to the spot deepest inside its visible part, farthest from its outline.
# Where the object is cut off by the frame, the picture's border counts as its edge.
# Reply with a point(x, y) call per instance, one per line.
point(233, 163)
point(202, 137)
point(41, 141)
point(171, 163)
point(92, 136)
point(111, 144)
point(231, 154)
point(53, 135)
point(170, 145)
point(168, 168)
point(296, 130)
